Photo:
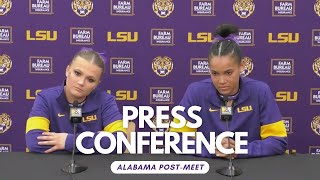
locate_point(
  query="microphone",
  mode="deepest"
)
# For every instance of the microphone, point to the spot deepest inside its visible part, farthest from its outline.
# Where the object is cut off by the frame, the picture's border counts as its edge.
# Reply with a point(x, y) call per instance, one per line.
point(75, 118)
point(226, 115)
point(75, 113)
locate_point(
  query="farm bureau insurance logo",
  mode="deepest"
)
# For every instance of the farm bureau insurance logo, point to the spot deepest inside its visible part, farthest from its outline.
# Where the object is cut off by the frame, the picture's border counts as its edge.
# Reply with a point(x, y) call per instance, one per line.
point(283, 8)
point(163, 8)
point(199, 66)
point(82, 7)
point(315, 125)
point(248, 66)
point(315, 66)
point(122, 8)
point(5, 122)
point(314, 150)
point(81, 36)
point(5, 64)
point(40, 65)
point(5, 93)
point(162, 66)
point(162, 37)
point(288, 124)
point(5, 6)
point(40, 7)
point(315, 96)
point(315, 37)
point(121, 66)
point(161, 95)
point(282, 67)
point(5, 148)
point(245, 37)
point(202, 8)
point(243, 8)
point(5, 34)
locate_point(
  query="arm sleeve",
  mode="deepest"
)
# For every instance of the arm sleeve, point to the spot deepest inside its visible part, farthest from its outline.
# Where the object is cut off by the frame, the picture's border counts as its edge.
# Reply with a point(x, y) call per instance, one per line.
point(37, 123)
point(272, 131)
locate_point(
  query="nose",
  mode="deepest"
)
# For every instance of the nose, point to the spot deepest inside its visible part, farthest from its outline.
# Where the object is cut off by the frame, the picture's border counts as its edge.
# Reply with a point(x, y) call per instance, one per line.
point(81, 81)
point(222, 80)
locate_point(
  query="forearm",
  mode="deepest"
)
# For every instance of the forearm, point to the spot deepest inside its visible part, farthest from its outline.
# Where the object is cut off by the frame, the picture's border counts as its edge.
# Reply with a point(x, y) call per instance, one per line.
point(267, 147)
point(32, 142)
point(88, 142)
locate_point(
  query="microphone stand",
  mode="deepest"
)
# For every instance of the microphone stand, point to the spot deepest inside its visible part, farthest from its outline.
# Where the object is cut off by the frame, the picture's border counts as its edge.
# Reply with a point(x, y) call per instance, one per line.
point(72, 167)
point(231, 170)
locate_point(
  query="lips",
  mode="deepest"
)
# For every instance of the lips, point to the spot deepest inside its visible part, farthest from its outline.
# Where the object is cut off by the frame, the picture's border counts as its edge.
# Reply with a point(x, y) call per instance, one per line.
point(224, 88)
point(78, 89)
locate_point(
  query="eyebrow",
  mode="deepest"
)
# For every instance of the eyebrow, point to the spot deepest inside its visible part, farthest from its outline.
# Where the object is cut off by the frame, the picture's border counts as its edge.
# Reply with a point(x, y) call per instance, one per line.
point(224, 71)
point(92, 77)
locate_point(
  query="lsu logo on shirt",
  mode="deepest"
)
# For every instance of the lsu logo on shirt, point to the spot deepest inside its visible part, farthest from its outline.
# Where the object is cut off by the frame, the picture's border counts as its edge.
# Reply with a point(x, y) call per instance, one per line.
point(201, 37)
point(283, 37)
point(283, 96)
point(122, 37)
point(42, 35)
point(89, 118)
point(244, 109)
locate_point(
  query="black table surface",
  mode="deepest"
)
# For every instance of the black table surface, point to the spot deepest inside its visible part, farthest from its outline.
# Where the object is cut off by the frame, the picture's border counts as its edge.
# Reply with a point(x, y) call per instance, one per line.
point(20, 165)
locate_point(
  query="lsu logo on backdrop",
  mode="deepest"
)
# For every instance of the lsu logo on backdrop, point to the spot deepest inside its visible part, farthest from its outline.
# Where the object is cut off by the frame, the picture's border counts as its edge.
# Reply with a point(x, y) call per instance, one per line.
point(288, 124)
point(315, 66)
point(82, 7)
point(162, 37)
point(283, 96)
point(125, 95)
point(243, 8)
point(199, 66)
point(123, 37)
point(40, 7)
point(202, 7)
point(122, 8)
point(42, 35)
point(248, 66)
point(283, 38)
point(40, 65)
point(283, 8)
point(317, 7)
point(162, 66)
point(5, 93)
point(315, 37)
point(315, 96)
point(161, 95)
point(201, 37)
point(5, 122)
point(121, 66)
point(5, 34)
point(315, 125)
point(31, 95)
point(163, 8)
point(282, 67)
point(5, 64)
point(5, 6)
point(164, 121)
point(245, 37)
point(5, 148)
point(81, 36)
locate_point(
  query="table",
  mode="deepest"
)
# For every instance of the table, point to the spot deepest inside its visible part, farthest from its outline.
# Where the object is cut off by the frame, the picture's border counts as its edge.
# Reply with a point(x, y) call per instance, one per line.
point(31, 166)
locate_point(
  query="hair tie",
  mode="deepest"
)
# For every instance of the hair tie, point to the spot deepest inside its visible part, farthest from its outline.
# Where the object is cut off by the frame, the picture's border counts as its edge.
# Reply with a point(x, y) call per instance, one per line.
point(231, 37)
